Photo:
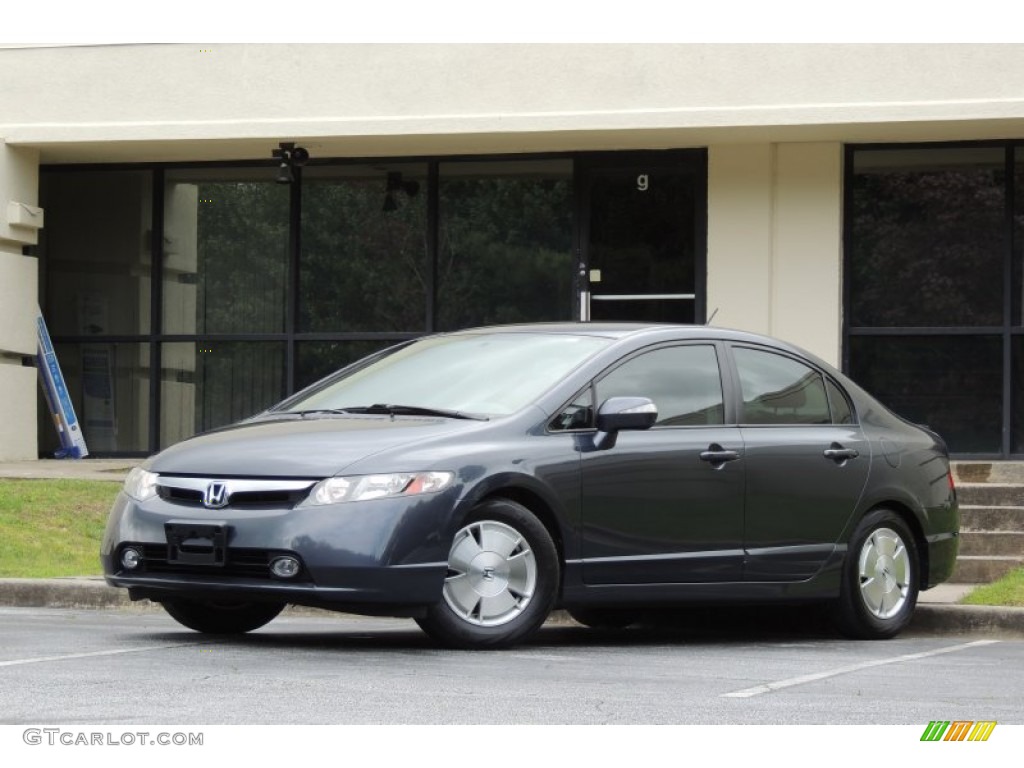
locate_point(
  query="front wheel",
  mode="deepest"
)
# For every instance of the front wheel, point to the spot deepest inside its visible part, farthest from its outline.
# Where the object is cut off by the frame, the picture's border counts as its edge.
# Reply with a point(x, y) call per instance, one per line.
point(222, 618)
point(881, 578)
point(503, 577)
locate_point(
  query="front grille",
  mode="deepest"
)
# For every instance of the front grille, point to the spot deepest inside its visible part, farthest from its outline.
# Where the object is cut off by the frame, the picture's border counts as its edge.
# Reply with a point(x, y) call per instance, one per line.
point(180, 495)
point(240, 493)
point(239, 563)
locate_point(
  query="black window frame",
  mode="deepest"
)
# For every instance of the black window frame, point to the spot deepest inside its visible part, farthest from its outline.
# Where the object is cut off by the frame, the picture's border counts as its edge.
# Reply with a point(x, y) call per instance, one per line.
point(1007, 331)
point(291, 335)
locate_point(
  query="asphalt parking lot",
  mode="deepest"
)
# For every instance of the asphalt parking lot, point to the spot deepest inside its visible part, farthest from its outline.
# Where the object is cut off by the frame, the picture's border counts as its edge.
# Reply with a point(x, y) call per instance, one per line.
point(134, 667)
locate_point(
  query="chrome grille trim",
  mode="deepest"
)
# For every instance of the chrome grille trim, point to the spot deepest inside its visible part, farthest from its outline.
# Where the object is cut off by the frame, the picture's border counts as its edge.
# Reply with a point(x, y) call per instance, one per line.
point(238, 492)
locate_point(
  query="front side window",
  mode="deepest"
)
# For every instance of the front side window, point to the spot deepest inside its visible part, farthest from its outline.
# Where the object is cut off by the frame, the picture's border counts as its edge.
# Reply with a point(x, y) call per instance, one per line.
point(779, 390)
point(684, 383)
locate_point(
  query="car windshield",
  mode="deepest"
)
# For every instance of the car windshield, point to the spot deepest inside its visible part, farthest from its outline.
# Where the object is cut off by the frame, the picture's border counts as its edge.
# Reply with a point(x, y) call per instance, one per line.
point(491, 374)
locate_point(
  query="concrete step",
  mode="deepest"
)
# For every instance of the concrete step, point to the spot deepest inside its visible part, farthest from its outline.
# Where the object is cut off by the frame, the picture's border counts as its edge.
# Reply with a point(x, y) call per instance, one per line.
point(991, 518)
point(983, 570)
point(988, 472)
point(990, 494)
point(992, 543)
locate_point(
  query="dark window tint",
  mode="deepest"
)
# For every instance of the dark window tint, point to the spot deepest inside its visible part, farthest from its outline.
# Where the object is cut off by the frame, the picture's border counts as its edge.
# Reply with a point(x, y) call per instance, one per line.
point(780, 390)
point(505, 243)
point(364, 255)
point(209, 384)
point(109, 387)
point(579, 414)
point(1017, 386)
point(927, 237)
point(842, 413)
point(684, 382)
point(225, 252)
point(954, 384)
point(96, 247)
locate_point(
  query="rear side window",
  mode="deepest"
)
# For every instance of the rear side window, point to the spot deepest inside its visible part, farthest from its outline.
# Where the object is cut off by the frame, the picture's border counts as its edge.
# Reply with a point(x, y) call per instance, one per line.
point(780, 390)
point(684, 382)
point(842, 413)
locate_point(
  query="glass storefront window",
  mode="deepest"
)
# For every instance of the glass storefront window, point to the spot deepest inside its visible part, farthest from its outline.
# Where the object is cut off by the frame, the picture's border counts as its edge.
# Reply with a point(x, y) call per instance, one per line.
point(953, 384)
point(927, 237)
point(316, 359)
point(364, 248)
point(1017, 387)
point(205, 385)
point(505, 250)
point(348, 259)
point(109, 388)
point(96, 251)
point(225, 251)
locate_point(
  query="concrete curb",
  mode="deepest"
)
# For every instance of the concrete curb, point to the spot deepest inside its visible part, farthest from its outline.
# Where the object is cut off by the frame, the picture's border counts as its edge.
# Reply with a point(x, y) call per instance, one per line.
point(988, 620)
point(936, 619)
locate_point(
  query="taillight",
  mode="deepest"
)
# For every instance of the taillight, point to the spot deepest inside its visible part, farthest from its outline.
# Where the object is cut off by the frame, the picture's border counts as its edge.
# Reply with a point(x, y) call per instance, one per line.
point(952, 485)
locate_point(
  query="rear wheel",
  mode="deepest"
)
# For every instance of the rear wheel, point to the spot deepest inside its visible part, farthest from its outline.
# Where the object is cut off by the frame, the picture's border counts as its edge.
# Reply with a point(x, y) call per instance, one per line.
point(502, 580)
point(881, 578)
point(222, 618)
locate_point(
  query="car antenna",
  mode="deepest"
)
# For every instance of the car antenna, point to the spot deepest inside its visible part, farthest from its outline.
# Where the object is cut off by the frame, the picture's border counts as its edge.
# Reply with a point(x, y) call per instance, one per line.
point(712, 316)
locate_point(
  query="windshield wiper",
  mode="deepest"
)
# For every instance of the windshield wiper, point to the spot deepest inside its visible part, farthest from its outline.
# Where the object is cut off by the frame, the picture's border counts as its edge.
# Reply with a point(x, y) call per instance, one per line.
point(410, 410)
point(304, 414)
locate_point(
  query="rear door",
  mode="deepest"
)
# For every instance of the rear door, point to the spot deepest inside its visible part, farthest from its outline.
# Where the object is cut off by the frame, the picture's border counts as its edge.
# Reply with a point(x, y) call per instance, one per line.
point(807, 464)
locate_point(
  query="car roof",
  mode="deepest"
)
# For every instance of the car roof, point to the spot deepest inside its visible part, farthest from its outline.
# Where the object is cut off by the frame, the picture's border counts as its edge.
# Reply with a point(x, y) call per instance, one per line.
point(619, 330)
point(656, 332)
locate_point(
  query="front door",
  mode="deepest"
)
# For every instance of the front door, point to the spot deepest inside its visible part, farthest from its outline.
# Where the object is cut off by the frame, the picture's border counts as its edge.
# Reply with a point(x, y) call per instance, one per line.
point(656, 508)
point(643, 237)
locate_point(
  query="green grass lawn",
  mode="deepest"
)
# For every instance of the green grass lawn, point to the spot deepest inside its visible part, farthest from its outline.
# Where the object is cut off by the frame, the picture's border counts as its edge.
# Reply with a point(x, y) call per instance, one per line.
point(52, 527)
point(1009, 590)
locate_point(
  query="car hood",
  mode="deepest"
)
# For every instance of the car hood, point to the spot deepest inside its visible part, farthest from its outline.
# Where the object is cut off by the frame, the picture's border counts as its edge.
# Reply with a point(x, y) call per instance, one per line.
point(313, 447)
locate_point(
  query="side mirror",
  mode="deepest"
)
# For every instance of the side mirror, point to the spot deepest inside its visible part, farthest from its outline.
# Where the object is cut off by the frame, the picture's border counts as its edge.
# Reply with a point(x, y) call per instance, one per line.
point(618, 413)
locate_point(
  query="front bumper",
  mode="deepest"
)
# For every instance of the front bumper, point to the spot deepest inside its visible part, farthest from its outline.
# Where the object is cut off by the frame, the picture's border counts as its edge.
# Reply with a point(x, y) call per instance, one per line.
point(382, 556)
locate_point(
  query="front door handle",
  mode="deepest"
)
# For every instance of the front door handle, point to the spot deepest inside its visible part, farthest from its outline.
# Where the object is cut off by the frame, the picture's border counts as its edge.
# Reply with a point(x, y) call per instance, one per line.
point(717, 456)
point(839, 454)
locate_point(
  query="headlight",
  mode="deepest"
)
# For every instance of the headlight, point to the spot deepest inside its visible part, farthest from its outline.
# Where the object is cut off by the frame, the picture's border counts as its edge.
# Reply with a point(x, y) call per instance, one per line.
point(336, 490)
point(140, 484)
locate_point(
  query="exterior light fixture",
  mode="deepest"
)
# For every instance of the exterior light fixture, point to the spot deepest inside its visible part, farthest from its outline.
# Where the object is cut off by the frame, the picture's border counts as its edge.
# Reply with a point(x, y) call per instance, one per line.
point(290, 157)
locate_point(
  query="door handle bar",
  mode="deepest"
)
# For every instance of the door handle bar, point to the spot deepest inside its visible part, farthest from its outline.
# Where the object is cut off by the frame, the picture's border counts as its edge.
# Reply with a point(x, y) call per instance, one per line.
point(841, 454)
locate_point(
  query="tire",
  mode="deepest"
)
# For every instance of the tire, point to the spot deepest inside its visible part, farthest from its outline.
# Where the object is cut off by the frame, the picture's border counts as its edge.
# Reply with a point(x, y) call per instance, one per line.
point(881, 578)
point(227, 618)
point(604, 618)
point(503, 578)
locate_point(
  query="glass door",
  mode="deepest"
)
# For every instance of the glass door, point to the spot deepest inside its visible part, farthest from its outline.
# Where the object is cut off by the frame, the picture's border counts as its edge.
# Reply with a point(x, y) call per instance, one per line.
point(643, 237)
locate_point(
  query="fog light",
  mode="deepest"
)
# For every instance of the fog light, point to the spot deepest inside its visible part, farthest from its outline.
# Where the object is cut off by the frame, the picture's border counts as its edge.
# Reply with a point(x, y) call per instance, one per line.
point(285, 567)
point(131, 558)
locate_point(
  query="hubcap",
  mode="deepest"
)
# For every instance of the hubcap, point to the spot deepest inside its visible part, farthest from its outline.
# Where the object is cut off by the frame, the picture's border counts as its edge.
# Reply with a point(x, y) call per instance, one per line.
point(884, 573)
point(492, 574)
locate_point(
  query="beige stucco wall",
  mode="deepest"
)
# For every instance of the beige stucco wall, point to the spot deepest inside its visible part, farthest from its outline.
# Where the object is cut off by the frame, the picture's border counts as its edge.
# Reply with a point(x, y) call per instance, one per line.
point(150, 102)
point(774, 241)
point(18, 298)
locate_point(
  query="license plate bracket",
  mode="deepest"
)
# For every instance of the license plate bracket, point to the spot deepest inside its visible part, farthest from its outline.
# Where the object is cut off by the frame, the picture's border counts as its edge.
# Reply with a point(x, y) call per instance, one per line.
point(192, 543)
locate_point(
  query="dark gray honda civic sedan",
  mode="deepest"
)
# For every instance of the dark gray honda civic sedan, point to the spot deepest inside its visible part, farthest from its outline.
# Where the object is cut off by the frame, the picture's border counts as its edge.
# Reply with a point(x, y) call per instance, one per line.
point(476, 480)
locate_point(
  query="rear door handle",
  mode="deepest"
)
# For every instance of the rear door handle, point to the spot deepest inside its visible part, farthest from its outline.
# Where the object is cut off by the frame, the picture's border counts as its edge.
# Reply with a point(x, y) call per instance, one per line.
point(839, 454)
point(717, 455)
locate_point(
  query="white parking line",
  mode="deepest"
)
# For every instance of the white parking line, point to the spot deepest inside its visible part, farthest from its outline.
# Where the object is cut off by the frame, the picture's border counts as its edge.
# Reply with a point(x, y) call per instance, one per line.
point(40, 659)
point(790, 682)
